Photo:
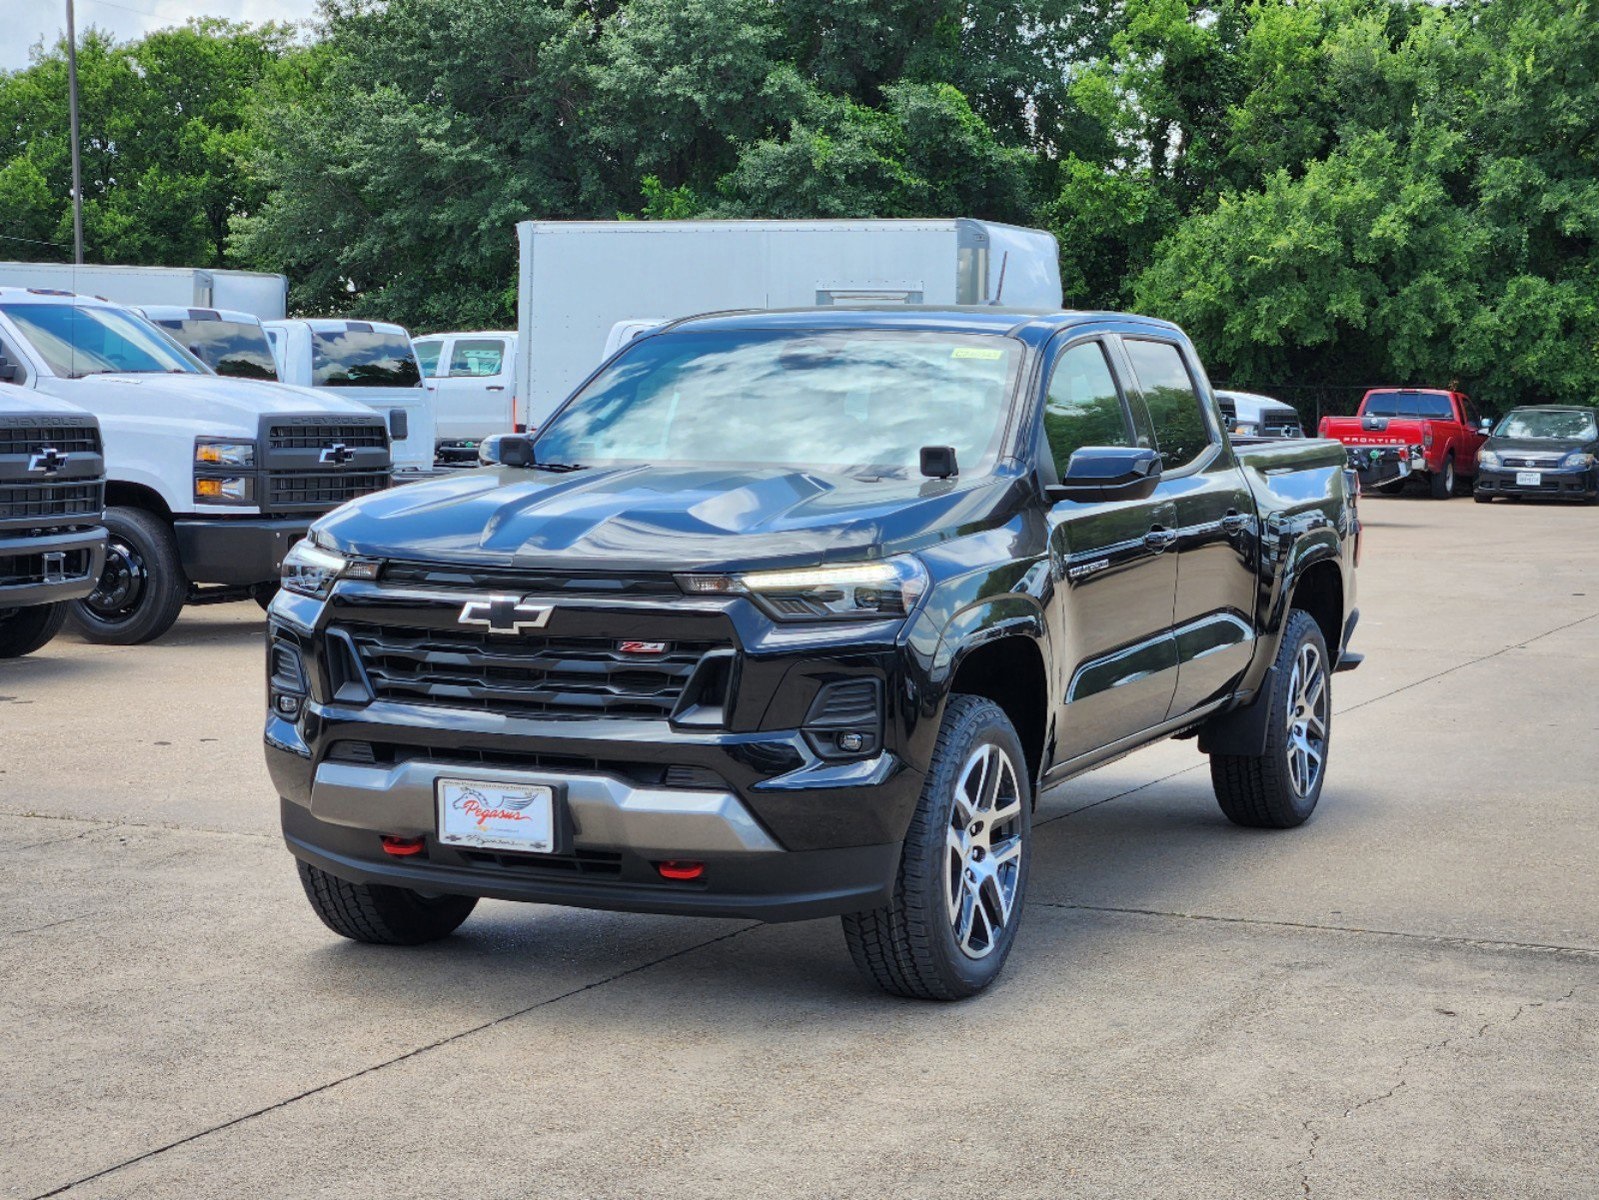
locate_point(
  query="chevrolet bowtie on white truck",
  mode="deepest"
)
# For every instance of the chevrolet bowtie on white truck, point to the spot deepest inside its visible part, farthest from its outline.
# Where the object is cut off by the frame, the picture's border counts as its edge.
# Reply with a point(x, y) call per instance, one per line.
point(729, 637)
point(52, 491)
point(209, 481)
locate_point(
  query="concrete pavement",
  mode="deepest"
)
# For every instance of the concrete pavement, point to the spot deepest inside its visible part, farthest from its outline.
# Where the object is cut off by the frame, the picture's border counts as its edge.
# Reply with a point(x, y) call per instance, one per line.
point(1398, 999)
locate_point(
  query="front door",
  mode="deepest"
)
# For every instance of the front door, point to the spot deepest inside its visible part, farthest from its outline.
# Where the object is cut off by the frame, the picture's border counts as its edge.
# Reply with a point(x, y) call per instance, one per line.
point(1115, 572)
point(474, 389)
point(1214, 617)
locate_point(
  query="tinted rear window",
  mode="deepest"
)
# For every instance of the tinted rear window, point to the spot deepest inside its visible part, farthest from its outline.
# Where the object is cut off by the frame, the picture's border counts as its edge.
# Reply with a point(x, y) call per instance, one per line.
point(227, 347)
point(1414, 405)
point(351, 358)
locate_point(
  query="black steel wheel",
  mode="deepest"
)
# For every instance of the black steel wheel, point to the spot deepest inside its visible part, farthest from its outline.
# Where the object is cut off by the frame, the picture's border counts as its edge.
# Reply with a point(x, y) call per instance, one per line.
point(142, 587)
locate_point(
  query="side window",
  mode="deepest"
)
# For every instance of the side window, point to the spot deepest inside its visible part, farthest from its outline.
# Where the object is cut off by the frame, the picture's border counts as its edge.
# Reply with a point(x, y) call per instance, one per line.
point(1468, 411)
point(427, 357)
point(1083, 407)
point(1181, 431)
point(474, 358)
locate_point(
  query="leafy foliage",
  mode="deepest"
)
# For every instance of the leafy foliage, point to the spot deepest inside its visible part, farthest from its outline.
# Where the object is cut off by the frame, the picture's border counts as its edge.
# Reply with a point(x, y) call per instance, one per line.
point(1324, 192)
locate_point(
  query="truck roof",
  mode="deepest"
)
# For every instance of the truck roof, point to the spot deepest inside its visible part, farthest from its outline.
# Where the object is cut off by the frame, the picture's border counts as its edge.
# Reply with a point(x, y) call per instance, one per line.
point(338, 325)
point(180, 312)
point(1411, 390)
point(28, 295)
point(1031, 325)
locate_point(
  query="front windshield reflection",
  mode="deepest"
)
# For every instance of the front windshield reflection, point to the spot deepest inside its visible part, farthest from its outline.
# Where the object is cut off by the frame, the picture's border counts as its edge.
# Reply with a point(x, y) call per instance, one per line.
point(77, 340)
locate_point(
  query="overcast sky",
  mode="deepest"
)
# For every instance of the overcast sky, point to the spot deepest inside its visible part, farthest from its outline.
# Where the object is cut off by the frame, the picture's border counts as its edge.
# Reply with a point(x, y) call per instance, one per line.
point(24, 22)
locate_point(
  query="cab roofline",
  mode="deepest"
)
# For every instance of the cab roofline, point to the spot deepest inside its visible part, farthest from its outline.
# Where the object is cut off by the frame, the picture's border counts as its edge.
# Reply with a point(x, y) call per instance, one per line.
point(1025, 324)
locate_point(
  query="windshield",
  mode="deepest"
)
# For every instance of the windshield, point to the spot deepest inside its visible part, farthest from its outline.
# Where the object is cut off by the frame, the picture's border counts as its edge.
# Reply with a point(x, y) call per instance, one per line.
point(838, 400)
point(363, 358)
point(77, 340)
point(1416, 405)
point(1548, 425)
point(227, 347)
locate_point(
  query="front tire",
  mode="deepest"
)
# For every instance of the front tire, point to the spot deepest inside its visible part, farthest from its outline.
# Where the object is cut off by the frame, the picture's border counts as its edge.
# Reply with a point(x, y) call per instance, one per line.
point(24, 630)
point(380, 915)
point(1483, 497)
point(142, 588)
point(962, 877)
point(1279, 788)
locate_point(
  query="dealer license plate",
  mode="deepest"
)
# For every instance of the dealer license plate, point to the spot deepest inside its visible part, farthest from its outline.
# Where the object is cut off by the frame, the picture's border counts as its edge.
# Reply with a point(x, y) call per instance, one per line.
point(1528, 478)
point(497, 816)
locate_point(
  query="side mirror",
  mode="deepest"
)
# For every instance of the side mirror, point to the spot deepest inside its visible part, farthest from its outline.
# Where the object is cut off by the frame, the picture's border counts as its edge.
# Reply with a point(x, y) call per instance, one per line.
point(1485, 425)
point(10, 372)
point(506, 450)
point(1108, 473)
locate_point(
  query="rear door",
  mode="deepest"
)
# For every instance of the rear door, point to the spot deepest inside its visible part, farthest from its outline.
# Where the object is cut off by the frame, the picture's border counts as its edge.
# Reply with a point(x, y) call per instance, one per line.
point(473, 387)
point(1114, 571)
point(1213, 619)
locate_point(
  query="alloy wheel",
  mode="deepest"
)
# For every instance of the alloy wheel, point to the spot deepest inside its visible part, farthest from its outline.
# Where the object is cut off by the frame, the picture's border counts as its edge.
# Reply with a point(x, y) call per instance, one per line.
point(1307, 719)
point(984, 850)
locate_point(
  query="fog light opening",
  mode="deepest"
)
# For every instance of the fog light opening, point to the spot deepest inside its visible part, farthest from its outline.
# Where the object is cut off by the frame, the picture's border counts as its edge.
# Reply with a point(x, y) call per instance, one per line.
point(401, 847)
point(674, 868)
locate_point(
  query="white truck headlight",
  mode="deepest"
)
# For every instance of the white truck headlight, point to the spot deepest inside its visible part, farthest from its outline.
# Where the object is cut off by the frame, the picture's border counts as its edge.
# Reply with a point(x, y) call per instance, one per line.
point(886, 588)
point(217, 452)
point(1487, 458)
point(311, 570)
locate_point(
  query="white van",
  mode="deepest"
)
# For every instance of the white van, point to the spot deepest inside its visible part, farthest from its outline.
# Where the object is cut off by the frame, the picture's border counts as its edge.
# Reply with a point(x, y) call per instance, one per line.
point(472, 378)
point(209, 481)
point(370, 362)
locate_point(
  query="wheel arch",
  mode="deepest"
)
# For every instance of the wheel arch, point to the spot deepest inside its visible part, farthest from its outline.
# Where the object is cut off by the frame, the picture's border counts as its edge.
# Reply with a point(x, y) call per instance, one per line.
point(120, 493)
point(1010, 670)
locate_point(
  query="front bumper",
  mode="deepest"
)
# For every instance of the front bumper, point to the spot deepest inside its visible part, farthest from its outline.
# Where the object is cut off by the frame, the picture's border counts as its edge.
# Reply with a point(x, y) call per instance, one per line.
point(1555, 483)
point(237, 550)
point(49, 568)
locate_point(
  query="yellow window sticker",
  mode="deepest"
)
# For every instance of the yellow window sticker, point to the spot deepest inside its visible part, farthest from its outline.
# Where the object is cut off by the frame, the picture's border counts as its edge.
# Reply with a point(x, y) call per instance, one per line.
point(982, 352)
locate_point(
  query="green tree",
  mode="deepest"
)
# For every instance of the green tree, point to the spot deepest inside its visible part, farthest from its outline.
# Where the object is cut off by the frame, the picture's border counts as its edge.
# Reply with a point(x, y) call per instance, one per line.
point(165, 144)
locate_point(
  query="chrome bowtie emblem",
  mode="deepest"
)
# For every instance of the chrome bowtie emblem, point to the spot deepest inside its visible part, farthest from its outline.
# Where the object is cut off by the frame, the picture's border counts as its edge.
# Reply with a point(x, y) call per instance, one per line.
point(505, 614)
point(337, 454)
point(49, 460)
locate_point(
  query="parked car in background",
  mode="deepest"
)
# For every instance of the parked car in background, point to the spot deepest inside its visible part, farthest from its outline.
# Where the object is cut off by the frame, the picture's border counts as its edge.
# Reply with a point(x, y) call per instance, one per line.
point(1435, 430)
point(1247, 414)
point(370, 362)
point(472, 377)
point(792, 614)
point(1545, 450)
point(52, 497)
point(229, 342)
point(579, 279)
point(262, 295)
point(209, 480)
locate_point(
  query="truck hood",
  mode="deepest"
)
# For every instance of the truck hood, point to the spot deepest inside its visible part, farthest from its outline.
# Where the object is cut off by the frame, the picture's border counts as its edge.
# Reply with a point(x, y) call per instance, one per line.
point(660, 518)
point(210, 397)
point(32, 403)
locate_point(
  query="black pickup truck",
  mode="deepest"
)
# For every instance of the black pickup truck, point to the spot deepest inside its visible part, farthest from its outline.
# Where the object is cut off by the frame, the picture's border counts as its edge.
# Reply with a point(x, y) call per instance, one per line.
point(52, 497)
point(793, 614)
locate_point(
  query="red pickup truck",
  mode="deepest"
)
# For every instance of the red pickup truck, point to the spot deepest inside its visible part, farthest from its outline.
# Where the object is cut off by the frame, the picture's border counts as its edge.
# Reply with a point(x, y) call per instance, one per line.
point(1398, 431)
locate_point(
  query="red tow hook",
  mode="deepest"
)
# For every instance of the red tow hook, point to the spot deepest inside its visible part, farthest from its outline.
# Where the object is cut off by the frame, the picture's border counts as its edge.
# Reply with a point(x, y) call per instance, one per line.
point(674, 868)
point(401, 847)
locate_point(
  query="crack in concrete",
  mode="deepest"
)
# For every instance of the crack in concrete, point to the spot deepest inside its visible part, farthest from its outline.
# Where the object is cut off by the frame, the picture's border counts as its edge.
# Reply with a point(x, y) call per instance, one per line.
point(389, 1062)
point(1403, 1071)
point(1410, 935)
point(108, 823)
point(50, 925)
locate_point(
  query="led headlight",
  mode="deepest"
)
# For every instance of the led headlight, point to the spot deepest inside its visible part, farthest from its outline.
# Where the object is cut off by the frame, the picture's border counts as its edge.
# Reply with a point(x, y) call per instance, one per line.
point(312, 571)
point(889, 587)
point(1487, 458)
point(1577, 461)
point(215, 452)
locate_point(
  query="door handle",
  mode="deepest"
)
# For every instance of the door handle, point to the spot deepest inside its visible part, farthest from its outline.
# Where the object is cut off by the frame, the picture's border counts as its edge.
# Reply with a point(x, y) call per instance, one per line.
point(1235, 522)
point(495, 387)
point(1159, 537)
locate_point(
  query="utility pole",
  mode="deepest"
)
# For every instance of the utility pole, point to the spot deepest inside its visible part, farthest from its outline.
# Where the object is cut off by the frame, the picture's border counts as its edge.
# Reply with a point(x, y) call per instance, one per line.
point(72, 110)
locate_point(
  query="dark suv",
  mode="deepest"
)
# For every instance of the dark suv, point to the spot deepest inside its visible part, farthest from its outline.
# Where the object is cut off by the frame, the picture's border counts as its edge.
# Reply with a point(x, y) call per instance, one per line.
point(787, 615)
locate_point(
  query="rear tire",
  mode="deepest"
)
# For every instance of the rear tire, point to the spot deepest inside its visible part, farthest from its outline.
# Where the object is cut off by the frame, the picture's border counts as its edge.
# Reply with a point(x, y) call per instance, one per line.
point(381, 915)
point(1279, 788)
point(142, 589)
point(1442, 483)
point(24, 630)
point(962, 877)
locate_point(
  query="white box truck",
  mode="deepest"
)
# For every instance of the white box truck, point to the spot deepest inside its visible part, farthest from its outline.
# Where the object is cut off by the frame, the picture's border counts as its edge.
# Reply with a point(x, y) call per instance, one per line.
point(579, 278)
point(265, 296)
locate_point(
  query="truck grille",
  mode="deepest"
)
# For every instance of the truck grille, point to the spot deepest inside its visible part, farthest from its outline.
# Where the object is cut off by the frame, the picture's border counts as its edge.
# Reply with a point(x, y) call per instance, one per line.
point(323, 489)
point(23, 569)
point(68, 439)
point(314, 437)
point(52, 501)
point(525, 676)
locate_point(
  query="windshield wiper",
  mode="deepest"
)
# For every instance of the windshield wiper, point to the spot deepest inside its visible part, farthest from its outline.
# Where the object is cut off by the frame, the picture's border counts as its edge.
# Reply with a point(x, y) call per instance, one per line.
point(544, 466)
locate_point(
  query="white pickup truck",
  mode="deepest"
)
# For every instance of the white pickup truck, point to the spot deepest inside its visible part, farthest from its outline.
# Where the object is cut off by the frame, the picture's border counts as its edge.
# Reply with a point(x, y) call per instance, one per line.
point(370, 362)
point(209, 481)
point(472, 377)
